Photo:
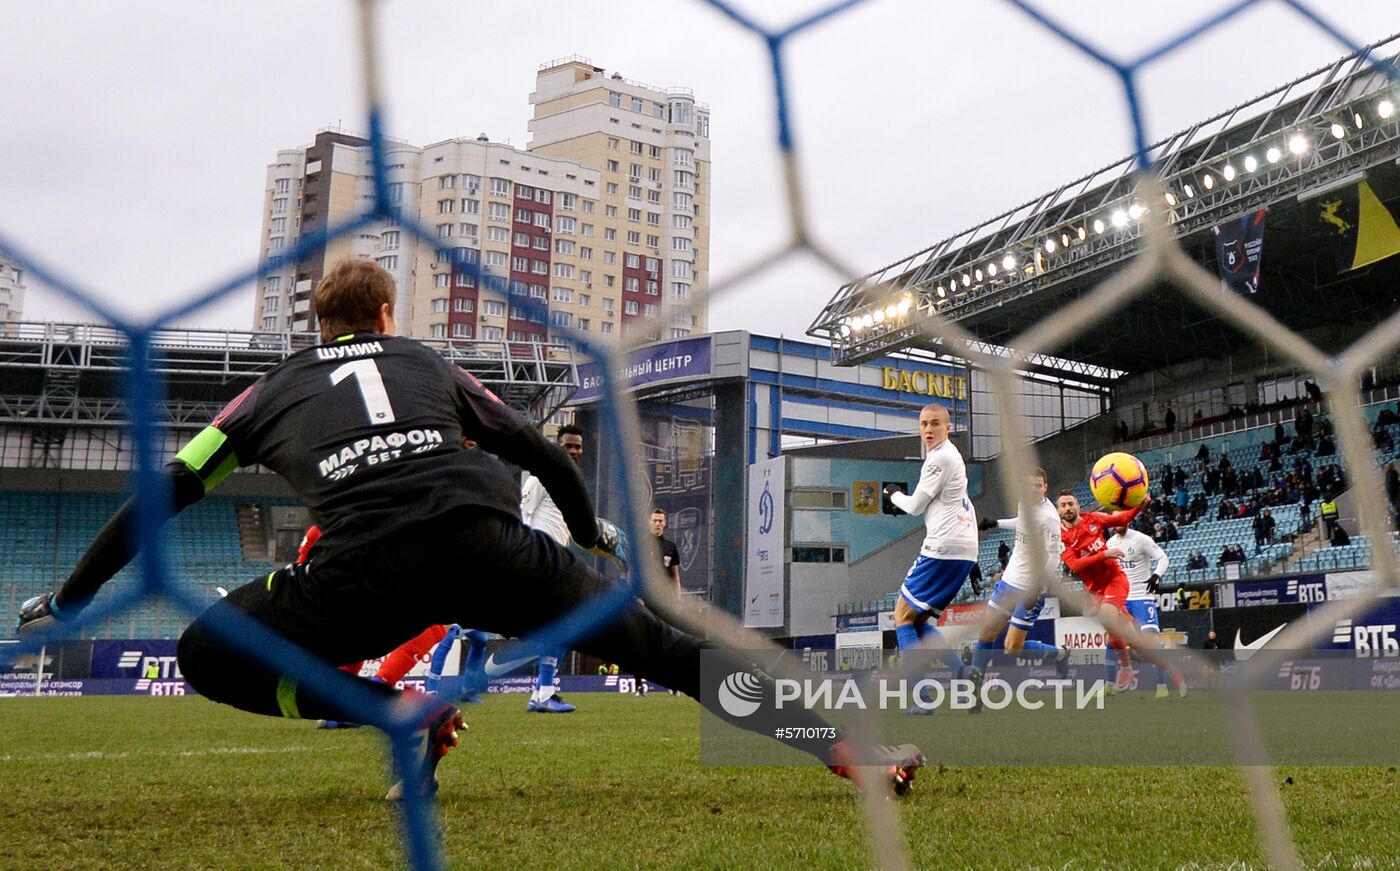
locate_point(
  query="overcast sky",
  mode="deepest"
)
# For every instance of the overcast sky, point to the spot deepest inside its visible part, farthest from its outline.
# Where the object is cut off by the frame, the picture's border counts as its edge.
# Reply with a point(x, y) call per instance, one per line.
point(136, 134)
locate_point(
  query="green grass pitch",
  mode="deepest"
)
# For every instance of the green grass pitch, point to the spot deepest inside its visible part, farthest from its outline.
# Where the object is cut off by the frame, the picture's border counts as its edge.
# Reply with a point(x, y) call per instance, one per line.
point(115, 783)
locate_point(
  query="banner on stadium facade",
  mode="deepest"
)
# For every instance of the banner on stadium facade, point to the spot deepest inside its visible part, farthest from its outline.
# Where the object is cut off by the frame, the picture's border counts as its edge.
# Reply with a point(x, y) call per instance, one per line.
point(131, 660)
point(882, 620)
point(764, 567)
point(1277, 591)
point(1354, 585)
point(668, 361)
point(963, 614)
point(866, 638)
point(681, 482)
point(865, 497)
point(1374, 632)
point(510, 684)
point(1080, 633)
point(1358, 225)
point(1246, 630)
point(1239, 249)
point(1184, 628)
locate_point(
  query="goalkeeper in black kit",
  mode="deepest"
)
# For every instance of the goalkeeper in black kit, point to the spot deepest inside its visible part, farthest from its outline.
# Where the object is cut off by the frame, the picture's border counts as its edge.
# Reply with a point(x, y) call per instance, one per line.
point(416, 530)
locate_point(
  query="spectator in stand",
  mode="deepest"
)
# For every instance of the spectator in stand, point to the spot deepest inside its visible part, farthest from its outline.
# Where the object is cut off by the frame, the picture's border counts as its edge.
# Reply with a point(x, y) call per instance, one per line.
point(1212, 641)
point(1167, 479)
point(1380, 436)
point(1180, 477)
point(1203, 456)
point(1182, 500)
point(1120, 431)
point(1003, 555)
point(1196, 561)
point(1314, 392)
point(1330, 515)
point(1212, 482)
point(1263, 529)
point(1280, 437)
point(1303, 424)
point(1325, 448)
point(1392, 484)
point(1199, 506)
point(1388, 417)
point(1231, 554)
point(1226, 510)
point(1196, 418)
point(1339, 536)
point(1172, 533)
point(1229, 483)
point(1170, 420)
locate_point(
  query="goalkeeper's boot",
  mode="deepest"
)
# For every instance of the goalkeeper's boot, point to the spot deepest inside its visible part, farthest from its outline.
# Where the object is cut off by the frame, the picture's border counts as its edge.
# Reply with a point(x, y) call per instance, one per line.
point(472, 697)
point(1162, 692)
point(896, 764)
point(1062, 663)
point(438, 736)
point(37, 613)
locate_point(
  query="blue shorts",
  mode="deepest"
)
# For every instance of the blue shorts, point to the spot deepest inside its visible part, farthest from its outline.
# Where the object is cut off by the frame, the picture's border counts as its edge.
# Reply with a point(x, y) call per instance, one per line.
point(1022, 606)
point(1144, 614)
point(932, 583)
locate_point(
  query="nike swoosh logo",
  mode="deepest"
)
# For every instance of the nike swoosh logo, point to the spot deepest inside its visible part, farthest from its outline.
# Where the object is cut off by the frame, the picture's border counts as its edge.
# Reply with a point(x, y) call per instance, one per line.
point(1245, 651)
point(499, 669)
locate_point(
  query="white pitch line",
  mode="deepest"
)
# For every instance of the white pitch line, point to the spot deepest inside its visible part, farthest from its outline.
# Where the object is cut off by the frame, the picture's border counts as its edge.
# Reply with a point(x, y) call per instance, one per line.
point(85, 755)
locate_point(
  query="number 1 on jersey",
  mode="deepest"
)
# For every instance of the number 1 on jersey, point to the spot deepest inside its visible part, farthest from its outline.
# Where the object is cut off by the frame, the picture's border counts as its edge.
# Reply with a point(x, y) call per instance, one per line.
point(366, 375)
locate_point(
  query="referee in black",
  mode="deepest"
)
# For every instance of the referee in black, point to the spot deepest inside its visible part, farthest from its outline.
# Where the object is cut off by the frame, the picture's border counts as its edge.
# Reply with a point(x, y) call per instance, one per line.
point(416, 529)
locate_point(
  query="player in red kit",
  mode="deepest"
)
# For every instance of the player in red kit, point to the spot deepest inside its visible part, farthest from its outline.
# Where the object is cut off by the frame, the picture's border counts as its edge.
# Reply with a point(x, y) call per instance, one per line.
point(1096, 564)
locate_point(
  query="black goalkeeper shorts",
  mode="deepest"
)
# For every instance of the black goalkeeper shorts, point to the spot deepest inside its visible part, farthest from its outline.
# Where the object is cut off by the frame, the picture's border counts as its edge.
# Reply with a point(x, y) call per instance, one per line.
point(473, 567)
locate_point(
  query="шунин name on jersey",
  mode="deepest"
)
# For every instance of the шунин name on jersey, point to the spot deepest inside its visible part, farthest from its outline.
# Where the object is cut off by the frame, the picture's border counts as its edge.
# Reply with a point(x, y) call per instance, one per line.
point(359, 349)
point(380, 449)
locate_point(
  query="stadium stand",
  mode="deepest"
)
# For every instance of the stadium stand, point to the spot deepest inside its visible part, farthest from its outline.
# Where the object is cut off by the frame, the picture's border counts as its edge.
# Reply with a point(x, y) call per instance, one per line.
point(45, 533)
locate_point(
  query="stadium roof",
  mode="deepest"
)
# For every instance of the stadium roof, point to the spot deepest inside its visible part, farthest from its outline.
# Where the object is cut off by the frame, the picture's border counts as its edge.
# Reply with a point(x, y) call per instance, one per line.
point(53, 373)
point(1322, 132)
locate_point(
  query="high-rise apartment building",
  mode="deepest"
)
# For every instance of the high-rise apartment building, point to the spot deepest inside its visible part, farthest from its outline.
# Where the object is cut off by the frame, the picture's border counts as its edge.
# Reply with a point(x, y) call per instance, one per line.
point(603, 219)
point(11, 291)
point(653, 148)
